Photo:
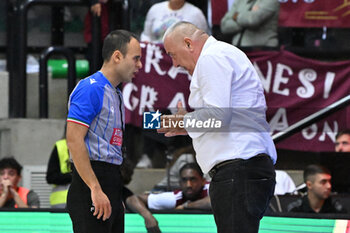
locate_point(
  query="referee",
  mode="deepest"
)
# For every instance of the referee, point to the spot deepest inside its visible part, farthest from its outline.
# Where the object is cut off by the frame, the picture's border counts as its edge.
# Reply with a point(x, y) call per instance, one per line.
point(95, 126)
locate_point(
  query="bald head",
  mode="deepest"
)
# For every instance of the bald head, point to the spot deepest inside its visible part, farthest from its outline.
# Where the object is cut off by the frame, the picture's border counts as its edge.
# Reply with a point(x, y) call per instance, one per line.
point(184, 42)
point(184, 29)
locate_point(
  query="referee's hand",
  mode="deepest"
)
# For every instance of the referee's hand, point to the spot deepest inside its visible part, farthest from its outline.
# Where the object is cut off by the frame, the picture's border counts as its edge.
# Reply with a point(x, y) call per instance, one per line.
point(101, 204)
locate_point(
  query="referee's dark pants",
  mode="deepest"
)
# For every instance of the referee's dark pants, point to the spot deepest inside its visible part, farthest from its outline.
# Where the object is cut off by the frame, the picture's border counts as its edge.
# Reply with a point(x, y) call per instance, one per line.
point(79, 200)
point(240, 192)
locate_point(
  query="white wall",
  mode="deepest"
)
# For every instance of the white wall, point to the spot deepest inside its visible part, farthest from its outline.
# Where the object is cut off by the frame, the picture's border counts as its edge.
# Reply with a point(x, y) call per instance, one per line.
point(4, 94)
point(57, 99)
point(30, 141)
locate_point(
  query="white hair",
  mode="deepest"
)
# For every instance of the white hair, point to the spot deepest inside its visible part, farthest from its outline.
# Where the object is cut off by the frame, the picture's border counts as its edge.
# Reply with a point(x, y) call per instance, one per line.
point(187, 28)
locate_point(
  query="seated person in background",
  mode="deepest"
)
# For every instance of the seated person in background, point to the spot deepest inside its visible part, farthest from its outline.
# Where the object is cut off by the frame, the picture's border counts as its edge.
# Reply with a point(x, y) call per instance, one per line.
point(181, 157)
point(317, 199)
point(284, 183)
point(252, 23)
point(193, 193)
point(342, 141)
point(164, 14)
point(59, 174)
point(132, 201)
point(11, 195)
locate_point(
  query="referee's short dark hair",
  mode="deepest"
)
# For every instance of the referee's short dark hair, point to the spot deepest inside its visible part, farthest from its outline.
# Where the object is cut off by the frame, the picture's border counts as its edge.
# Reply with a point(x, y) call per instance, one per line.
point(117, 40)
point(10, 162)
point(193, 166)
point(314, 169)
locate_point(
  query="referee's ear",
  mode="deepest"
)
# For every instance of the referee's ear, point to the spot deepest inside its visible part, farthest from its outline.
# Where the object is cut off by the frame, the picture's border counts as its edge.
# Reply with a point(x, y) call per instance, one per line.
point(117, 56)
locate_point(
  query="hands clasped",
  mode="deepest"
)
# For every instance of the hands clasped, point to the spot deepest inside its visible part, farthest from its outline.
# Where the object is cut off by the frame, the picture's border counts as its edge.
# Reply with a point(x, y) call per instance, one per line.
point(173, 125)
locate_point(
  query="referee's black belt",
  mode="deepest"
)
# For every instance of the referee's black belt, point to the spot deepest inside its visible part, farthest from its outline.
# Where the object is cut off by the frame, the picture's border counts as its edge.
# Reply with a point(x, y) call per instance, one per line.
point(216, 168)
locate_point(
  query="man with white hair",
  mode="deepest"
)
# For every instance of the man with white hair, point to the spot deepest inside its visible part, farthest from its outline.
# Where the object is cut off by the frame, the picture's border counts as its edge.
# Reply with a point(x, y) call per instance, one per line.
point(239, 155)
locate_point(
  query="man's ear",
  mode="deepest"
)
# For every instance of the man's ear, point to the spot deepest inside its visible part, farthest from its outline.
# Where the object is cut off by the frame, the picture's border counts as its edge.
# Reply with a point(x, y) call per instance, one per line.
point(117, 56)
point(308, 184)
point(188, 42)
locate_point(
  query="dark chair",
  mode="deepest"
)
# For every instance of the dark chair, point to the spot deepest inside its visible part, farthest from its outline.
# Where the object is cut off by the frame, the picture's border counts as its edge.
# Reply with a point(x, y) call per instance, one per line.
point(279, 203)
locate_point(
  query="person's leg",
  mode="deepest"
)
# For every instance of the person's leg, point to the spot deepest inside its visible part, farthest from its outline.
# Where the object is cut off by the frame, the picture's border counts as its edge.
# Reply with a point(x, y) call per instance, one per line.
point(110, 180)
point(118, 224)
point(222, 193)
point(79, 207)
point(116, 201)
point(240, 193)
point(260, 185)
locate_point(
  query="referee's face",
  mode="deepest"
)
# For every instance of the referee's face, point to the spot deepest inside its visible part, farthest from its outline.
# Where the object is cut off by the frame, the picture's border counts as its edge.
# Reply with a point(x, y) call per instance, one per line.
point(191, 184)
point(130, 64)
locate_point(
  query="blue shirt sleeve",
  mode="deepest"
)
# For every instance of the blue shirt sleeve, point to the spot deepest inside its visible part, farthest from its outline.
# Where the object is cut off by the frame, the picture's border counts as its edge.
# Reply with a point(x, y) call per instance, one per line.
point(86, 102)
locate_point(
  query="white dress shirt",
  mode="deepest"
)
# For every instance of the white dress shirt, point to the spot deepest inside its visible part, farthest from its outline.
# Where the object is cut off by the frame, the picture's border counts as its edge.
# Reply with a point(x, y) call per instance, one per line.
point(225, 85)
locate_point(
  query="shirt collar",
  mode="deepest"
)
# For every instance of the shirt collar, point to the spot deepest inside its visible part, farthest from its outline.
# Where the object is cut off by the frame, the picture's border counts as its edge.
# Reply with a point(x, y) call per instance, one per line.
point(105, 79)
point(211, 40)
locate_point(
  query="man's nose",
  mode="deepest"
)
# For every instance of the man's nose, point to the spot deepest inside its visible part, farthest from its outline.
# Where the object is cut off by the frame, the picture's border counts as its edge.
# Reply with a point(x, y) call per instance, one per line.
point(340, 148)
point(139, 65)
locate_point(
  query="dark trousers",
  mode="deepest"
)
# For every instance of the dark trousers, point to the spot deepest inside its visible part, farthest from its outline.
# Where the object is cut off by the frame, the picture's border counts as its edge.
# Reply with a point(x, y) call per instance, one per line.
point(240, 193)
point(79, 200)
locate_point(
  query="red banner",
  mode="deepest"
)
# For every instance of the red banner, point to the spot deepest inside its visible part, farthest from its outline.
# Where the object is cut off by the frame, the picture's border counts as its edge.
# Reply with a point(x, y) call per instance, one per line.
point(295, 87)
point(314, 13)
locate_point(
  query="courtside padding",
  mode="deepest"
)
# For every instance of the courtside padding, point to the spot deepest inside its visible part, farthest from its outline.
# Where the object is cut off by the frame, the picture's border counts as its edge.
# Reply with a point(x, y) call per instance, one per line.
point(52, 222)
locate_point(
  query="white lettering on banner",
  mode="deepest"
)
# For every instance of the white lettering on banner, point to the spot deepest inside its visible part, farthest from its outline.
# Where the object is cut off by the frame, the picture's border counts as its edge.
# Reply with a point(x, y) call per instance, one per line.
point(153, 57)
point(173, 71)
point(173, 104)
point(280, 79)
point(327, 130)
point(148, 98)
point(266, 81)
point(306, 76)
point(279, 121)
point(328, 84)
point(128, 88)
point(310, 132)
point(143, 45)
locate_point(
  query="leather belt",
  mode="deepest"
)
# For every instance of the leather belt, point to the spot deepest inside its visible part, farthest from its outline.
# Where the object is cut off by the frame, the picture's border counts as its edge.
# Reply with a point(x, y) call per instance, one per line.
point(215, 169)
